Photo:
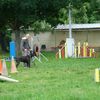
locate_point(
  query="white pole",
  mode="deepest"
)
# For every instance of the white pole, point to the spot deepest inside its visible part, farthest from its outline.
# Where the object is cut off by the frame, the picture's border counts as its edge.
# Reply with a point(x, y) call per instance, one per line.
point(60, 53)
point(70, 26)
point(8, 79)
point(70, 40)
point(66, 55)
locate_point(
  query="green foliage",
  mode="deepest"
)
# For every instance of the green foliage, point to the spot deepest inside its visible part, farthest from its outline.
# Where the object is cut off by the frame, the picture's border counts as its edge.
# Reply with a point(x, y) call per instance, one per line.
point(17, 13)
point(26, 12)
point(63, 18)
point(83, 14)
point(83, 11)
point(41, 26)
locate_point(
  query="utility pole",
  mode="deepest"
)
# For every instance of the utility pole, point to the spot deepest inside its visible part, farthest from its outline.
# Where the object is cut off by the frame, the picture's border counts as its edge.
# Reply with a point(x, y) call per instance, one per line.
point(70, 24)
point(70, 40)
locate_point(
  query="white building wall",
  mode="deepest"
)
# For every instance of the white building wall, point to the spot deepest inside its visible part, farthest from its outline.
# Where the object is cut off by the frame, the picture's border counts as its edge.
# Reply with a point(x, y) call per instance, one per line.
point(53, 39)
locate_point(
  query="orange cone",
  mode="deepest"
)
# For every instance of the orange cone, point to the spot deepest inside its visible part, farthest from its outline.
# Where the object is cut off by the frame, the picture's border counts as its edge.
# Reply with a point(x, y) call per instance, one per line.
point(0, 66)
point(4, 69)
point(13, 66)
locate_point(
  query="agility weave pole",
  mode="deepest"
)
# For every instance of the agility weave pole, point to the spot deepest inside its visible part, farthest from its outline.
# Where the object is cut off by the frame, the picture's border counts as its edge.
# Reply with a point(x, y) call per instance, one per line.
point(80, 51)
point(97, 75)
point(3, 78)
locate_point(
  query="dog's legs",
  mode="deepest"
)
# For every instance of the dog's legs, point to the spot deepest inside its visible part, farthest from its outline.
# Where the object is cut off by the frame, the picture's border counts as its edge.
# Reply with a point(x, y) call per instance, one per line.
point(28, 63)
point(25, 64)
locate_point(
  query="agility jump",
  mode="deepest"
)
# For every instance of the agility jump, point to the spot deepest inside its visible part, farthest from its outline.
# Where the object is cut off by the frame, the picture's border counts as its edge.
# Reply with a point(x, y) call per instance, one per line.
point(80, 51)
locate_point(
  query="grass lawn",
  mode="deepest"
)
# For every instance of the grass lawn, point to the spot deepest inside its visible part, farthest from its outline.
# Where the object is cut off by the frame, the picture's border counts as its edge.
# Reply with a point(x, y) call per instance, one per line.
point(67, 79)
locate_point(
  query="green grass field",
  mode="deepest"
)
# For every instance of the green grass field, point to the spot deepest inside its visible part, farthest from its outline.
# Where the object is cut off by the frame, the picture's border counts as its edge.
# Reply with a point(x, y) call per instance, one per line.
point(67, 79)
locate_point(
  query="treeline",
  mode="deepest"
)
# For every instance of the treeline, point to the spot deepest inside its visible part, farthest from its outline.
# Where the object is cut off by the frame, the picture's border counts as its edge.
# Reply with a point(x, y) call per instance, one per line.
point(83, 11)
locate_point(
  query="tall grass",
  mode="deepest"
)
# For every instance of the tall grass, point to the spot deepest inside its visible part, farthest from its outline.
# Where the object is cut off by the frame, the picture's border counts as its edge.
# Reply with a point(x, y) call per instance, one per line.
point(62, 79)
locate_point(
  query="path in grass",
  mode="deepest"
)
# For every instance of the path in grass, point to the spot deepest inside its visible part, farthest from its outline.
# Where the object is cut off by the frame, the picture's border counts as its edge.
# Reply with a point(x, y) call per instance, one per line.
point(68, 79)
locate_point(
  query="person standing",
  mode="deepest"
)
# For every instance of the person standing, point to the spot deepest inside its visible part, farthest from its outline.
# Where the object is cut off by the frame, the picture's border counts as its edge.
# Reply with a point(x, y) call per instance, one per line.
point(25, 46)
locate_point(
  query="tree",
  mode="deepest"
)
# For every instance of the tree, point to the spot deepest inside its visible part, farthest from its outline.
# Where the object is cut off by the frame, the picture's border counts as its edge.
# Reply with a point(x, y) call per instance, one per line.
point(83, 11)
point(4, 39)
point(25, 12)
point(63, 18)
point(41, 26)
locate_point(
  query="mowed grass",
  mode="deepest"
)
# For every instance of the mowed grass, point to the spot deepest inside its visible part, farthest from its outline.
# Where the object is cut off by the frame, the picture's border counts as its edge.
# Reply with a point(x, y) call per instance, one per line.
point(67, 79)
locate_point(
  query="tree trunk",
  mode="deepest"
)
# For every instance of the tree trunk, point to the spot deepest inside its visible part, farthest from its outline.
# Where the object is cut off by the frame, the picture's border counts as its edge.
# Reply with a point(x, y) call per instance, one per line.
point(17, 42)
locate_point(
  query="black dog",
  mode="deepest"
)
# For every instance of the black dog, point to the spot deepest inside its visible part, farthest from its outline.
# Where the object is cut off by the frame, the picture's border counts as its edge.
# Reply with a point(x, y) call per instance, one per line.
point(25, 59)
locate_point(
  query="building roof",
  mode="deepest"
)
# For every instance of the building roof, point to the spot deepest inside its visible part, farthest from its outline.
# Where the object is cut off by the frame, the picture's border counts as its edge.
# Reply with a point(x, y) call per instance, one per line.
point(79, 26)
